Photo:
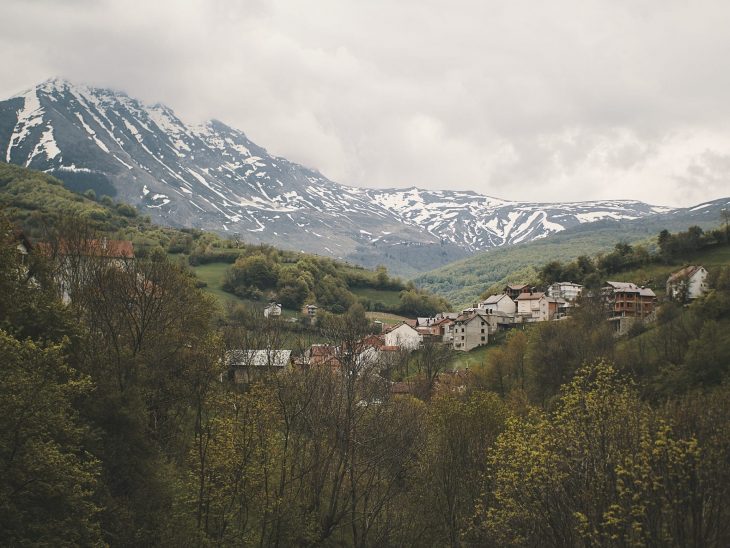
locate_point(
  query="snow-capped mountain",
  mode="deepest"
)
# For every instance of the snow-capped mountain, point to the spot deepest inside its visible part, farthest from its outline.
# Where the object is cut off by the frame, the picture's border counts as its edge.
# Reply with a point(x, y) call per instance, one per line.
point(478, 222)
point(212, 176)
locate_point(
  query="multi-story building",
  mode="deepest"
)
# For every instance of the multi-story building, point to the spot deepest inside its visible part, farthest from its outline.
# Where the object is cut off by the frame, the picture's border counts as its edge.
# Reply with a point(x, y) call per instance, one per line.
point(627, 300)
point(469, 331)
point(515, 290)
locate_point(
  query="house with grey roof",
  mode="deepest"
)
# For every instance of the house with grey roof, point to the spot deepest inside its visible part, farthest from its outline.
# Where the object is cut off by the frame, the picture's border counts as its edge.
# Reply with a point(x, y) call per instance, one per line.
point(247, 366)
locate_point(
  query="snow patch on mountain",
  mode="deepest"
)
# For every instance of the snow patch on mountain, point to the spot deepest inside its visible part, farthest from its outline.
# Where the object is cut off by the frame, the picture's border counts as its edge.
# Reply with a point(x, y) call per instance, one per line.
point(212, 176)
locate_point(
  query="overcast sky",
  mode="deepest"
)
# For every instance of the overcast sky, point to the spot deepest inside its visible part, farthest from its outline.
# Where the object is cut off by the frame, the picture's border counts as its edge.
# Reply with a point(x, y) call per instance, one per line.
point(551, 101)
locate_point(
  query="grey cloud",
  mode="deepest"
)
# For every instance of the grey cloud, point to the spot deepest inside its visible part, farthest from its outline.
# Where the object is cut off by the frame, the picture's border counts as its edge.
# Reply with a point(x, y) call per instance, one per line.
point(559, 100)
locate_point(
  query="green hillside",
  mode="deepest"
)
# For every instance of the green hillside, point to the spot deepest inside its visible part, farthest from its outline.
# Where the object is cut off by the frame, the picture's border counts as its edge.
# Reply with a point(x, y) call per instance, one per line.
point(229, 269)
point(655, 275)
point(121, 429)
point(463, 281)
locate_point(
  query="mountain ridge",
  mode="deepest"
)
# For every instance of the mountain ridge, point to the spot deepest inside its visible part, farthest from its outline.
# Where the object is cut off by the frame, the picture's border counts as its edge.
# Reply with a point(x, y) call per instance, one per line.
point(212, 176)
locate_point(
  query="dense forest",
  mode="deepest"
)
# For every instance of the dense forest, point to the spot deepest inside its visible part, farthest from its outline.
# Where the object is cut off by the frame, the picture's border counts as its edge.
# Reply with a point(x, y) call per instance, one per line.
point(119, 426)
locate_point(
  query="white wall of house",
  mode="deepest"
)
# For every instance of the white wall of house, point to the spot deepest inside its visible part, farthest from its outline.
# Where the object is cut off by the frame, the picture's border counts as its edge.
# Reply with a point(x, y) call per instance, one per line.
point(528, 308)
point(448, 335)
point(698, 284)
point(502, 304)
point(274, 309)
point(567, 290)
point(403, 336)
point(534, 310)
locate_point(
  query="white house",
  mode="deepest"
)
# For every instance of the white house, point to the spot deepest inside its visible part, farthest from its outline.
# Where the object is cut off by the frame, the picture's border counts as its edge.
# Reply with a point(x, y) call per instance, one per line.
point(565, 290)
point(499, 303)
point(690, 283)
point(249, 365)
point(403, 336)
point(537, 307)
point(274, 309)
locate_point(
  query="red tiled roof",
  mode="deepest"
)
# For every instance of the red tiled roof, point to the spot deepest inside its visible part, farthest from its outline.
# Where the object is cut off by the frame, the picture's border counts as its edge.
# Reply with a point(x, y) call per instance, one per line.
point(375, 341)
point(686, 272)
point(409, 323)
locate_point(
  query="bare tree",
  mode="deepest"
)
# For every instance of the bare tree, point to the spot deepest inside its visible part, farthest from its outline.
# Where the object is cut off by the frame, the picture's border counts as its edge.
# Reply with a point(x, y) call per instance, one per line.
point(430, 360)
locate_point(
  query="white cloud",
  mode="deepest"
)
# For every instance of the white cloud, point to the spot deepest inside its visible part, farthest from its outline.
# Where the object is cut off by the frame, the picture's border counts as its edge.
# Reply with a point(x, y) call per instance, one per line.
point(523, 100)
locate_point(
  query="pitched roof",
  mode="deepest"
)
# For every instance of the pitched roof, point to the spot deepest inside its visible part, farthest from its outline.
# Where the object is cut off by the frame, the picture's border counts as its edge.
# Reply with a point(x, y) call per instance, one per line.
point(623, 286)
point(686, 272)
point(322, 350)
point(447, 315)
point(443, 321)
point(466, 318)
point(407, 323)
point(531, 296)
point(628, 287)
point(376, 341)
point(494, 299)
point(515, 287)
point(258, 358)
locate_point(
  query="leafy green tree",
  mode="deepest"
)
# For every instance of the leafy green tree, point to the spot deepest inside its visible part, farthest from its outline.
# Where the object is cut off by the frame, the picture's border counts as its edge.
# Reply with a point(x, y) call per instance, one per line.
point(552, 272)
point(507, 367)
point(417, 303)
point(603, 470)
point(556, 350)
point(49, 484)
point(49, 481)
point(256, 271)
point(461, 430)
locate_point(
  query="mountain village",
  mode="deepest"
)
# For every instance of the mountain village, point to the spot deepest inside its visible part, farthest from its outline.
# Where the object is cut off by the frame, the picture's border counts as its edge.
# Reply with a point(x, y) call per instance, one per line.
point(517, 307)
point(365, 274)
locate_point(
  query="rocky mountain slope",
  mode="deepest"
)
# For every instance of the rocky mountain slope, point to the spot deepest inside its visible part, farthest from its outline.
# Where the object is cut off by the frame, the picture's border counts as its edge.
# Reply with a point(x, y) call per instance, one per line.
point(476, 222)
point(212, 176)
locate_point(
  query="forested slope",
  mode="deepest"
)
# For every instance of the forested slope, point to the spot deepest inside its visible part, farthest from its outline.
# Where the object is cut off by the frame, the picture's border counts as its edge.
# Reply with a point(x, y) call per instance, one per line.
point(119, 426)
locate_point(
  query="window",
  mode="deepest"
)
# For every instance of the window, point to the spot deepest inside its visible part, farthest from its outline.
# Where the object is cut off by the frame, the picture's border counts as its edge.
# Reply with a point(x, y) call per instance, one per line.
point(483, 339)
point(482, 330)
